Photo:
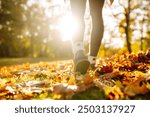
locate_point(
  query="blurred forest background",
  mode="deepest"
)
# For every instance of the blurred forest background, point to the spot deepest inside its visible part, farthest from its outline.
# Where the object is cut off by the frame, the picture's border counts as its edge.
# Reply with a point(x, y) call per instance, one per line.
point(28, 28)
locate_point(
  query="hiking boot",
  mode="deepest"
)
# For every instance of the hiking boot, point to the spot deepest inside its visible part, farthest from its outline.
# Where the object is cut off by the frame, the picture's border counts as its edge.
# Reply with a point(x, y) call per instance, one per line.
point(81, 63)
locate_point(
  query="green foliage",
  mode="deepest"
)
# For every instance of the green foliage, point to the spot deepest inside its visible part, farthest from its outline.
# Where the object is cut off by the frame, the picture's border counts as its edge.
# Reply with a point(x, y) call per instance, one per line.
point(25, 32)
point(12, 24)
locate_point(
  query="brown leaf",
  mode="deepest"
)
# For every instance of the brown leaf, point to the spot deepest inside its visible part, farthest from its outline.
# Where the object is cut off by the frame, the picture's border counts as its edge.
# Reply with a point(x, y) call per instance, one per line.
point(136, 87)
point(88, 80)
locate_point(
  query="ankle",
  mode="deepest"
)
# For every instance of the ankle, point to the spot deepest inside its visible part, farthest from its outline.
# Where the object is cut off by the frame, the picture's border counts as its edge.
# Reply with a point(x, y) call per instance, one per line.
point(92, 59)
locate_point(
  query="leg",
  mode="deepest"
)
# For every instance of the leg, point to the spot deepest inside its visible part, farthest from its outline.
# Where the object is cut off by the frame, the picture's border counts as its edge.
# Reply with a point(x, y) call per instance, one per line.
point(97, 26)
point(78, 11)
point(81, 63)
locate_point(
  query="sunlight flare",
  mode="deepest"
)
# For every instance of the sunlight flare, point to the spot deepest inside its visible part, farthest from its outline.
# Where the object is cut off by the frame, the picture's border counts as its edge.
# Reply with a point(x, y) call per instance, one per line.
point(67, 27)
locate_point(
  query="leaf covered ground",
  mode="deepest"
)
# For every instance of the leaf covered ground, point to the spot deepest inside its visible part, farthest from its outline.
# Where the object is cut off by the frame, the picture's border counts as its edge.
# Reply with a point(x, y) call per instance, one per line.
point(125, 76)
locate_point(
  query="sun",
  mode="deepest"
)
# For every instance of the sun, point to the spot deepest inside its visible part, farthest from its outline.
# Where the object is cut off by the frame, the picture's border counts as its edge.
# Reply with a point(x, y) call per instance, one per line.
point(67, 27)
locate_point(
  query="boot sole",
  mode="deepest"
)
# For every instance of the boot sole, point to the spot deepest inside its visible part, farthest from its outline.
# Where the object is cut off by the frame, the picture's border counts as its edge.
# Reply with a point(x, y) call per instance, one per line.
point(82, 66)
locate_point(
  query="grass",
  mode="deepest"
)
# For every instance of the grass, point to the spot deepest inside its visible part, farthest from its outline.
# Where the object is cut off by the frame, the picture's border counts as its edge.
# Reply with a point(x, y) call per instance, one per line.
point(17, 61)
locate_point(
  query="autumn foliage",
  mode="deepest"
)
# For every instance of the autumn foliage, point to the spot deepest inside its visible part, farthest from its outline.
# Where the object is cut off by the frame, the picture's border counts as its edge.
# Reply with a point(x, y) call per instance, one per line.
point(125, 76)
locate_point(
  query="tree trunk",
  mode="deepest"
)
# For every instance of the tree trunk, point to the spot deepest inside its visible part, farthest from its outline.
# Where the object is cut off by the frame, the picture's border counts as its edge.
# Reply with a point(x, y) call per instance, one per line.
point(148, 41)
point(127, 28)
point(142, 36)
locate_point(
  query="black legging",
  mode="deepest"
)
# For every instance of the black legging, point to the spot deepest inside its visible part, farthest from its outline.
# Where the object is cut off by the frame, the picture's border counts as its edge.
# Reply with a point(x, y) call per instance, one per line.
point(78, 10)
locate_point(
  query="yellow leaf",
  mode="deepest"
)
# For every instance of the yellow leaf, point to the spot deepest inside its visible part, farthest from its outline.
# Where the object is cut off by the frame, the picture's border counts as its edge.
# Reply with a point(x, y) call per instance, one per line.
point(136, 87)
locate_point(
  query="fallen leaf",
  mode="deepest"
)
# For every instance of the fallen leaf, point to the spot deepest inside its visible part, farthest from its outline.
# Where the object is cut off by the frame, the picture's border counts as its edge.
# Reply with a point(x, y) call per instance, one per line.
point(136, 87)
point(64, 88)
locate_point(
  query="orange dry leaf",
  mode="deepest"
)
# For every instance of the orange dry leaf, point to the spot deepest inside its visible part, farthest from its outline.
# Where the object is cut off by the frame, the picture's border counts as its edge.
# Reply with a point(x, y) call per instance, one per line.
point(114, 93)
point(136, 87)
point(107, 69)
point(71, 81)
point(57, 96)
point(5, 72)
point(88, 80)
point(3, 82)
point(3, 91)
